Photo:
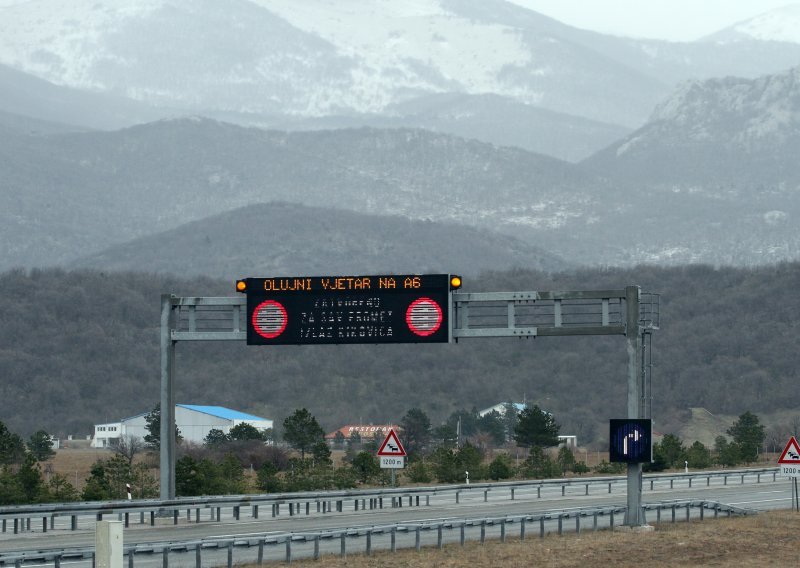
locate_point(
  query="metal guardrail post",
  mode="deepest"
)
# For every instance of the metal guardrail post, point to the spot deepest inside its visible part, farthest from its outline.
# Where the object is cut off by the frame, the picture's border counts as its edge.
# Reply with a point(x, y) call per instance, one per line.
point(463, 531)
point(230, 554)
point(288, 549)
point(393, 539)
point(369, 542)
point(198, 555)
point(483, 531)
point(503, 530)
point(316, 547)
point(343, 545)
point(522, 528)
point(417, 540)
point(439, 536)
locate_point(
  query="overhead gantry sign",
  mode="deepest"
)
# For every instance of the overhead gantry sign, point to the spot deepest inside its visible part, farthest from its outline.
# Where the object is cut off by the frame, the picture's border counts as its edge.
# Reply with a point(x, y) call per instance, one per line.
point(383, 309)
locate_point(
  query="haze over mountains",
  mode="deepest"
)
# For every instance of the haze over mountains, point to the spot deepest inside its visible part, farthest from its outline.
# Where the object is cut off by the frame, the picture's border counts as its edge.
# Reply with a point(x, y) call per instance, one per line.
point(281, 63)
point(709, 177)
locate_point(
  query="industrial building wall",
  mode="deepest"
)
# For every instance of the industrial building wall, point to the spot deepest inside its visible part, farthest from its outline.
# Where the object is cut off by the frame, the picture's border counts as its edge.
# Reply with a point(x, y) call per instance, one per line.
point(195, 426)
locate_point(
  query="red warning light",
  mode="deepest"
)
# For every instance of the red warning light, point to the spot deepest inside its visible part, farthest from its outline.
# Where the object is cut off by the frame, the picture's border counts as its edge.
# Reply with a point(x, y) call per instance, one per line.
point(269, 319)
point(424, 316)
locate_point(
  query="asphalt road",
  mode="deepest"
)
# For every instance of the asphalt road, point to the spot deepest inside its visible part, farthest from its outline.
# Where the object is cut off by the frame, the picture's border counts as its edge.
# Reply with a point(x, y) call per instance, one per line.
point(762, 496)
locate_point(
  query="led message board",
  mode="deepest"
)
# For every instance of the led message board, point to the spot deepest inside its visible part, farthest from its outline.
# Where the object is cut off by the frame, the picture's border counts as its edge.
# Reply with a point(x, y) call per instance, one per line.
point(348, 309)
point(631, 440)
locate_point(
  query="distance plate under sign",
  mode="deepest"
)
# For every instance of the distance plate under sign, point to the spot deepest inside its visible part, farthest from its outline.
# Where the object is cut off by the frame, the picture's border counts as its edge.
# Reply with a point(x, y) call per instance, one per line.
point(389, 462)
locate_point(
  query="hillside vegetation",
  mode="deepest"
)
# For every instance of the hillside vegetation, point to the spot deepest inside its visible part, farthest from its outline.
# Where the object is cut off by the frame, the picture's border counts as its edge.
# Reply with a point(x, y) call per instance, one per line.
point(81, 347)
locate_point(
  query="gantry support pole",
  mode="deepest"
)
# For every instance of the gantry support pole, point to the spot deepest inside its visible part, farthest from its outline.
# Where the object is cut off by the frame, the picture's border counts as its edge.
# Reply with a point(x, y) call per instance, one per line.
point(633, 341)
point(167, 400)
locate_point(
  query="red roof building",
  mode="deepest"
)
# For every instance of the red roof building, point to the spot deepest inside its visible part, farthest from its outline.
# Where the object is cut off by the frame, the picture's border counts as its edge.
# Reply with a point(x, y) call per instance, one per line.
point(366, 432)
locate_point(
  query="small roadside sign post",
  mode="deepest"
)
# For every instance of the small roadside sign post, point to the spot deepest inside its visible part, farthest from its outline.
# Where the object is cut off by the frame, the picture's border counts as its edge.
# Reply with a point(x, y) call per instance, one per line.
point(392, 454)
point(789, 464)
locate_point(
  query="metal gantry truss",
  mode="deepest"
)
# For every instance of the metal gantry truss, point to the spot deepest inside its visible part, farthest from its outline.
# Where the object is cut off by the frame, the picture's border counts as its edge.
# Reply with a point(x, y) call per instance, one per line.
point(627, 312)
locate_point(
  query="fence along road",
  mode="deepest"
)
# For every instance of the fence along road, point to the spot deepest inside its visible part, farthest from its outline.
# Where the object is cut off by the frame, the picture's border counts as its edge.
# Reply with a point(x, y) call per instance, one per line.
point(255, 547)
point(744, 492)
point(52, 516)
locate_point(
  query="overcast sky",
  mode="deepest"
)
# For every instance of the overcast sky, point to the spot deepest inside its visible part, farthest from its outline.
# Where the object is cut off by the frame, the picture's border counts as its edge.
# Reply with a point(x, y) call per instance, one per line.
point(675, 20)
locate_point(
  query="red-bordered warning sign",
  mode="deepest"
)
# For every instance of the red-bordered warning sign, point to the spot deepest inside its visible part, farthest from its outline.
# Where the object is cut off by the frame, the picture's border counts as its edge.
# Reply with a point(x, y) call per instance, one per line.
point(791, 453)
point(270, 319)
point(391, 446)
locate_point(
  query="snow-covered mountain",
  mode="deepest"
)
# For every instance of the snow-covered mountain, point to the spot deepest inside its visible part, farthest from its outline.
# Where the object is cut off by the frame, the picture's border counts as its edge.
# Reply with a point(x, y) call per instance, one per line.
point(731, 131)
point(269, 60)
point(716, 170)
point(780, 24)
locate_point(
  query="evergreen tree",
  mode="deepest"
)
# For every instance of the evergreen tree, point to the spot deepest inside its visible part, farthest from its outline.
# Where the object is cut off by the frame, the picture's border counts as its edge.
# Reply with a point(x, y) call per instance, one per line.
point(268, 479)
point(302, 431)
point(321, 453)
point(31, 481)
point(215, 438)
point(539, 465)
point(40, 445)
point(245, 431)
point(493, 425)
point(698, 456)
point(727, 453)
point(12, 449)
point(365, 466)
point(338, 440)
point(61, 490)
point(673, 451)
point(565, 459)
point(416, 428)
point(748, 434)
point(11, 491)
point(501, 467)
point(153, 426)
point(536, 428)
point(98, 487)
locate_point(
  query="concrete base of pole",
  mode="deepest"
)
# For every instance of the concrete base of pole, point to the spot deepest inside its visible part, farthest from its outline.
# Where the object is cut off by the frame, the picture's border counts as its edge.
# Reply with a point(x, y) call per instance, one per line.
point(639, 529)
point(108, 544)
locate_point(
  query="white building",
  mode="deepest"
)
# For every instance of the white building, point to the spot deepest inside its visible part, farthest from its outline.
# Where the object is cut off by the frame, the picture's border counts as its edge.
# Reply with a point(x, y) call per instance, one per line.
point(193, 421)
point(501, 408)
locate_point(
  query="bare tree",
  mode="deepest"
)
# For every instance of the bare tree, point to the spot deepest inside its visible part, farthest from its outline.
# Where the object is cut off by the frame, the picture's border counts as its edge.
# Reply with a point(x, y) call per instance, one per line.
point(128, 446)
point(794, 426)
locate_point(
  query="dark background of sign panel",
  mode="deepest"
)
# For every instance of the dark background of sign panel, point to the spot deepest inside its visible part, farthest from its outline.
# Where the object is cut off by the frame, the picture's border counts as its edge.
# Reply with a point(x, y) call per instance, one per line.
point(639, 451)
point(435, 287)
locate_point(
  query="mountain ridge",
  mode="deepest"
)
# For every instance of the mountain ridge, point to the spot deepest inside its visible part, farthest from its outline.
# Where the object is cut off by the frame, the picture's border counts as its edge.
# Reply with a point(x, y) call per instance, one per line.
point(289, 239)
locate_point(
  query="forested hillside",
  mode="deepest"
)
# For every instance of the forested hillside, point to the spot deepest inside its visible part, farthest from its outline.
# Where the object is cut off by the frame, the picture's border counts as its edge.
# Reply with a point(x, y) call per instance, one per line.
point(81, 347)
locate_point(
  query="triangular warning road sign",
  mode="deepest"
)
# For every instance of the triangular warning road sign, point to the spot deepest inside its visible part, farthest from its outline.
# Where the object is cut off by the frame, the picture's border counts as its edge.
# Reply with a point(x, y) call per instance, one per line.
point(791, 453)
point(391, 446)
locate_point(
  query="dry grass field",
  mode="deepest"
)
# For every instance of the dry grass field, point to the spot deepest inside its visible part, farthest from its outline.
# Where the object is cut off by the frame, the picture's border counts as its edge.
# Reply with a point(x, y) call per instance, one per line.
point(768, 539)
